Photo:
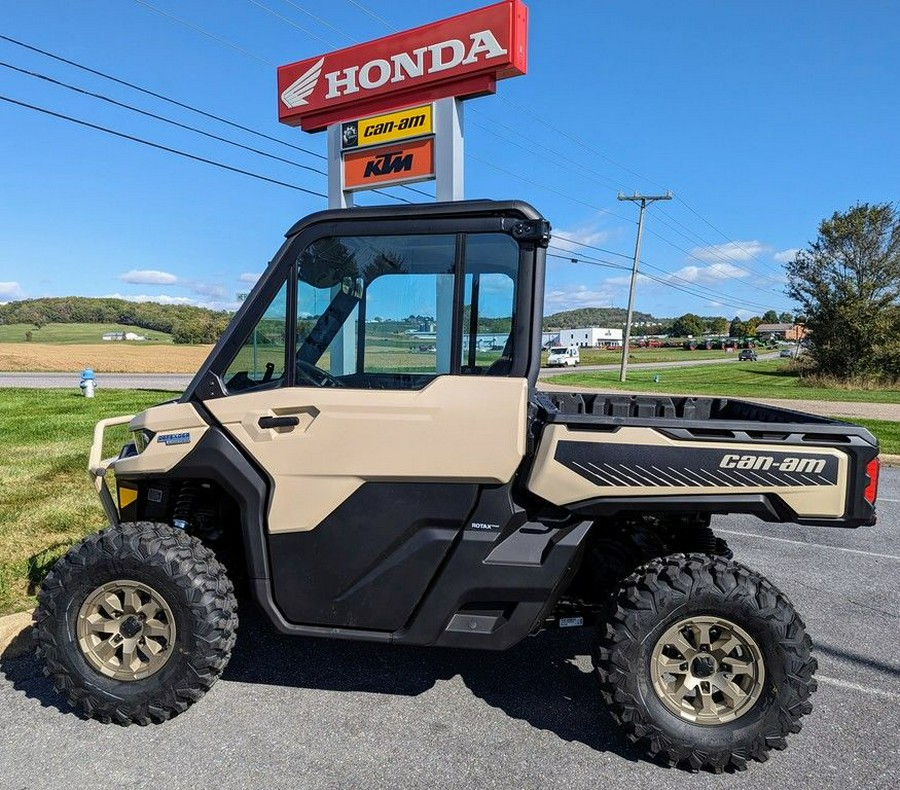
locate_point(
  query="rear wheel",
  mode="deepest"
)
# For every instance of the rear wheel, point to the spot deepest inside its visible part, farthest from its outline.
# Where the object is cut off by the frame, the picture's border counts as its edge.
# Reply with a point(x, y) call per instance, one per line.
point(704, 663)
point(136, 623)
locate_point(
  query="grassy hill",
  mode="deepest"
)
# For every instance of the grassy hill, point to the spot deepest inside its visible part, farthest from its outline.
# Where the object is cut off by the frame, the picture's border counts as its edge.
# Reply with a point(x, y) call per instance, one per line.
point(185, 323)
point(76, 333)
point(597, 316)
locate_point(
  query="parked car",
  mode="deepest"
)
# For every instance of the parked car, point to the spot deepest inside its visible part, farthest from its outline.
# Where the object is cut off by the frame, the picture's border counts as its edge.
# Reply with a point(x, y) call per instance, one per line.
point(747, 353)
point(788, 353)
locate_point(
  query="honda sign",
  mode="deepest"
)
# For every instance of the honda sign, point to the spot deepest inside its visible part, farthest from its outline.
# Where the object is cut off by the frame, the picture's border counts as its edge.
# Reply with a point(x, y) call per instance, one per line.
point(461, 56)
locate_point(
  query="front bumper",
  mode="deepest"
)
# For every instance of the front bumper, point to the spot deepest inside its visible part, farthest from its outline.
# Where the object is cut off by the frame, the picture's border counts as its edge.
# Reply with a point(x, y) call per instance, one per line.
point(98, 468)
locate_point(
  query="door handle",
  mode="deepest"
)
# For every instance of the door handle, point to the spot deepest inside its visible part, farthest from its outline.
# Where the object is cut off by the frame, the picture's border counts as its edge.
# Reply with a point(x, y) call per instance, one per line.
point(278, 422)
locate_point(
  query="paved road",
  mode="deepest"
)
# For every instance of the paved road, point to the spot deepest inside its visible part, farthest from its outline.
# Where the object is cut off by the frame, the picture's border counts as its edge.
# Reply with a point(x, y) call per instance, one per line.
point(128, 381)
point(690, 363)
point(298, 713)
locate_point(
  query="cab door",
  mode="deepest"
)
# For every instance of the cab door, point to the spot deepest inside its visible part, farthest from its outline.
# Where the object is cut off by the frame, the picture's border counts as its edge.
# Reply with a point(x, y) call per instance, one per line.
point(379, 388)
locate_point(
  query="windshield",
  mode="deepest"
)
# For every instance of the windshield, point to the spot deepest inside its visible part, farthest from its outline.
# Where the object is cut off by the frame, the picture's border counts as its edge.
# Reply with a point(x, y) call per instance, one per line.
point(558, 350)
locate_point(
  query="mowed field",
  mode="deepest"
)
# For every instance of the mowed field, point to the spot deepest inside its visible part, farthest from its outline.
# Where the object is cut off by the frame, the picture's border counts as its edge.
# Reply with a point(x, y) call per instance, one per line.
point(75, 333)
point(109, 357)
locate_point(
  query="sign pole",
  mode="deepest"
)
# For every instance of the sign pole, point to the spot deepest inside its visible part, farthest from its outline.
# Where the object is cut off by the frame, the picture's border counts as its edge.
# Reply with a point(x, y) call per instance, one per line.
point(337, 196)
point(448, 185)
point(448, 154)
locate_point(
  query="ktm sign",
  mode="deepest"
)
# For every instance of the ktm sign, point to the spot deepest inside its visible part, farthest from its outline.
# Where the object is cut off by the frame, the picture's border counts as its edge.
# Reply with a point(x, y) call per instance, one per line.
point(389, 164)
point(461, 56)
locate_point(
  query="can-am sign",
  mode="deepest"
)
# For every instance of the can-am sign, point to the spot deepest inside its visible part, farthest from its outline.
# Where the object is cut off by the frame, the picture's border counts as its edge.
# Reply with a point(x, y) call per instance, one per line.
point(461, 56)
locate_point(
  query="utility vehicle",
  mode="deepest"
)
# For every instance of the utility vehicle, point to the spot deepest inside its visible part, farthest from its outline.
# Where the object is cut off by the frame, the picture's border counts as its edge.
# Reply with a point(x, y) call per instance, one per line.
point(358, 487)
point(563, 356)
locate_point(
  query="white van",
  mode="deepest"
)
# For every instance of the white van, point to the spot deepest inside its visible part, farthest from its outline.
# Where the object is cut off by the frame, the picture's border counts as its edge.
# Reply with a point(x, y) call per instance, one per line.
point(563, 356)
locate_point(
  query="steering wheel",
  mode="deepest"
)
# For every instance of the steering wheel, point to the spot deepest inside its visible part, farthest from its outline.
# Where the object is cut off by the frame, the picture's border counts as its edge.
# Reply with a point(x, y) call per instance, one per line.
point(316, 376)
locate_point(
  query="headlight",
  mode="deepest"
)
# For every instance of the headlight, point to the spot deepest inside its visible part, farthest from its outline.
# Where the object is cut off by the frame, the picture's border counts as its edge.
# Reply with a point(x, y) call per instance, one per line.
point(141, 439)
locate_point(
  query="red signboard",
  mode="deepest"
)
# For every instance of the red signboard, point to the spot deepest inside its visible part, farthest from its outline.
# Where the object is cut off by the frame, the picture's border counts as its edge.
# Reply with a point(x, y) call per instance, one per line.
point(461, 56)
point(389, 164)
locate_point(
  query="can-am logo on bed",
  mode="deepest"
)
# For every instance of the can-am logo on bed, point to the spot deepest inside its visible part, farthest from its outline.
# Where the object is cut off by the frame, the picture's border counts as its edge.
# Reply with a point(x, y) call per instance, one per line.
point(464, 55)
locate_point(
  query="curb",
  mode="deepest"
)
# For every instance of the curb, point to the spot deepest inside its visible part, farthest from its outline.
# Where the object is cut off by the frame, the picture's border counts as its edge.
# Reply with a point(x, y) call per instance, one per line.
point(16, 635)
point(889, 460)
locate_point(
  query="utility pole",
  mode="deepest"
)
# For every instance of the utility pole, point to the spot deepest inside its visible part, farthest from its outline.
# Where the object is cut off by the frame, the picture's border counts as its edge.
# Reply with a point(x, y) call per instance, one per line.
point(643, 200)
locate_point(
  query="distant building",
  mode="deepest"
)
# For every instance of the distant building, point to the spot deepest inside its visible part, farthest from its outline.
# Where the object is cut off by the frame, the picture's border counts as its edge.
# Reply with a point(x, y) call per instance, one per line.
point(123, 336)
point(590, 337)
point(780, 332)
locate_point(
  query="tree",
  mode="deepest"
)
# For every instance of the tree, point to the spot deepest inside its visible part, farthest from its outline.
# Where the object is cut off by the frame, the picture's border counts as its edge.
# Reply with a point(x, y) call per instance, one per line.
point(786, 318)
point(718, 325)
point(751, 323)
point(847, 283)
point(737, 327)
point(770, 317)
point(688, 324)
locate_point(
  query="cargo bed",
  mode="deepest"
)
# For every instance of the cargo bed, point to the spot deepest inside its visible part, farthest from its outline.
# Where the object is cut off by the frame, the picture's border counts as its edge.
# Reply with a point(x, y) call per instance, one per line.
point(608, 454)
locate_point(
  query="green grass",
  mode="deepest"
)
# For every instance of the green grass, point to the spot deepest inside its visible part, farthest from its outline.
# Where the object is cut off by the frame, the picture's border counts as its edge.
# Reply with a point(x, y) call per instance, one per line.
point(770, 379)
point(887, 433)
point(596, 356)
point(75, 333)
point(46, 499)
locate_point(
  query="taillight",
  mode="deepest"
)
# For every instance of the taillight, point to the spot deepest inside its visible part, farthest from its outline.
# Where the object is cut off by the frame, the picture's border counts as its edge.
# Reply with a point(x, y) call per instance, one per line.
point(872, 469)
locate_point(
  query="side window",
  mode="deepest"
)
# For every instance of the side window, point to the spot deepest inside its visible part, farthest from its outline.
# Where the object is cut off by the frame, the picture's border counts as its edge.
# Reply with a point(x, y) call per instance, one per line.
point(260, 360)
point(402, 330)
point(489, 298)
point(393, 312)
point(375, 311)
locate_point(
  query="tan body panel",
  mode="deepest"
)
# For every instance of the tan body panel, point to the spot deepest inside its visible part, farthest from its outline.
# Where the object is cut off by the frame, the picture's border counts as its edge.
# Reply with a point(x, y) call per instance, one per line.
point(561, 485)
point(169, 419)
point(457, 429)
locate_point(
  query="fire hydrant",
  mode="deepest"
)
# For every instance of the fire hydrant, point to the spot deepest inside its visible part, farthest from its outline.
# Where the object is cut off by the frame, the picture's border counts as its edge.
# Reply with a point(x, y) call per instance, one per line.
point(87, 383)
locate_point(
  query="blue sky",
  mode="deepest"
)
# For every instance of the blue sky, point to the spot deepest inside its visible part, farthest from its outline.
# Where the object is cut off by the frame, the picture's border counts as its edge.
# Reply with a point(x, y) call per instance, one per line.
point(761, 117)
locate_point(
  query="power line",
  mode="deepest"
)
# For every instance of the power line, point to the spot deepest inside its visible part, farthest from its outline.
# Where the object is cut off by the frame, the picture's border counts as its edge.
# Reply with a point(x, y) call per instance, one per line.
point(160, 96)
point(161, 147)
point(162, 118)
point(691, 288)
point(288, 21)
point(320, 20)
point(188, 107)
point(721, 233)
point(372, 14)
point(206, 33)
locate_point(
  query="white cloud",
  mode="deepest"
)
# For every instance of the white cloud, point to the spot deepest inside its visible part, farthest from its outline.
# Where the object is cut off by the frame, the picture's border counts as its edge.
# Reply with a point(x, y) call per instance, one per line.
point(733, 250)
point(714, 273)
point(250, 277)
point(568, 298)
point(786, 256)
point(161, 298)
point(580, 235)
point(148, 277)
point(208, 289)
point(11, 290)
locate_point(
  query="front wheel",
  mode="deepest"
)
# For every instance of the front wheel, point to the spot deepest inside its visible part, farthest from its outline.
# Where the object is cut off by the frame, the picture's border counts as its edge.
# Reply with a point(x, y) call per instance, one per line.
point(704, 663)
point(136, 623)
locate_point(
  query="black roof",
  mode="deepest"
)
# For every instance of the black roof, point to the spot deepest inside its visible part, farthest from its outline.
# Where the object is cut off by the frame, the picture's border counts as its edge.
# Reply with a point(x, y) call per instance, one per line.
point(421, 210)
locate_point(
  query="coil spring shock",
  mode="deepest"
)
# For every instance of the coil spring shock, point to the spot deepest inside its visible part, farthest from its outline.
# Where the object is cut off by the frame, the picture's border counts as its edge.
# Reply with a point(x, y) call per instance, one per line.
point(184, 505)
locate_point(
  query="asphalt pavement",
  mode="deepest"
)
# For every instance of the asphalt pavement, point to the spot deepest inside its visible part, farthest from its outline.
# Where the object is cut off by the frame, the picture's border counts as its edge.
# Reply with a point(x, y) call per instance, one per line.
point(302, 713)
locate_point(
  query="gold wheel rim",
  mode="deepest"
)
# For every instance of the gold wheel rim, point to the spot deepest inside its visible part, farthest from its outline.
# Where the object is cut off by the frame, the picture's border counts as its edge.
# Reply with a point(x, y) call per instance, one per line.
point(707, 670)
point(126, 630)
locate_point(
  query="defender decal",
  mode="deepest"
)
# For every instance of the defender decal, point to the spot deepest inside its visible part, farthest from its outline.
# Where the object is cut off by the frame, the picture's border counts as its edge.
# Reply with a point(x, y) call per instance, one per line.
point(619, 465)
point(174, 438)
